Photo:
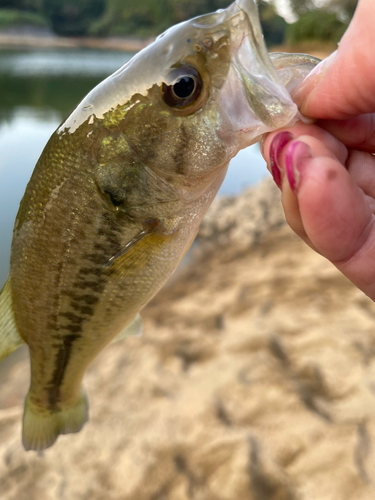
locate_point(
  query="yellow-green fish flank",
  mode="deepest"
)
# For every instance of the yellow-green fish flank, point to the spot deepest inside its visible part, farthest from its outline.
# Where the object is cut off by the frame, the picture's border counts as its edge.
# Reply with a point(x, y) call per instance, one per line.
point(118, 194)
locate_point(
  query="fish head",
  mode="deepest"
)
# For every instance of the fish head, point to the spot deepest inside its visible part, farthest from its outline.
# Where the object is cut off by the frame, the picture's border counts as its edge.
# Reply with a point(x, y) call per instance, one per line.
point(186, 104)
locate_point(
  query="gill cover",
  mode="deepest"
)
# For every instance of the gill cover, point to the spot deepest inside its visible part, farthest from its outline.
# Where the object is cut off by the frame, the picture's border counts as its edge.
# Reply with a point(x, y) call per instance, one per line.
point(259, 101)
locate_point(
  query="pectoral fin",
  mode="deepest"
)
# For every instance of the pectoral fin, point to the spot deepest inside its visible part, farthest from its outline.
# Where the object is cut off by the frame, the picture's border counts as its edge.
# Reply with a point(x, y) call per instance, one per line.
point(155, 234)
point(127, 247)
point(133, 329)
point(10, 339)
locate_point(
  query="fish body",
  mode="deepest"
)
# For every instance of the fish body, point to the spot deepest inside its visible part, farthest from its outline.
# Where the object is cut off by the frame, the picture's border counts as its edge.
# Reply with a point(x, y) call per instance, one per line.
point(118, 194)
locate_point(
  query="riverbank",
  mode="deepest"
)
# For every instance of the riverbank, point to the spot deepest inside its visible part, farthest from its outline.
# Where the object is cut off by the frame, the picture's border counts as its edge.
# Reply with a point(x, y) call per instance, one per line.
point(128, 44)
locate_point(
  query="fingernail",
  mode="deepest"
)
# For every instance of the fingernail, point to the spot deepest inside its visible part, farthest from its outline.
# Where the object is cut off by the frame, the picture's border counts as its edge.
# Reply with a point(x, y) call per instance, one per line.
point(296, 155)
point(277, 145)
point(312, 79)
point(323, 66)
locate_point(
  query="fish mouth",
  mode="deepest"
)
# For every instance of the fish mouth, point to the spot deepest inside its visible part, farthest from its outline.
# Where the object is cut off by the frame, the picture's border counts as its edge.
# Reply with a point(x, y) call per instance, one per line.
point(259, 101)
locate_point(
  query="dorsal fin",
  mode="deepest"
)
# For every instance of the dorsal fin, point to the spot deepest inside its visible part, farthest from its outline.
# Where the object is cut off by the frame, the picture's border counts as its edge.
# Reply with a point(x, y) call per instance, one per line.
point(10, 339)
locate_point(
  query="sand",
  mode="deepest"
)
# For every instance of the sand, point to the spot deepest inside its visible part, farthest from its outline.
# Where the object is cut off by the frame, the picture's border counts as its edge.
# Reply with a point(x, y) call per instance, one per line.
point(254, 380)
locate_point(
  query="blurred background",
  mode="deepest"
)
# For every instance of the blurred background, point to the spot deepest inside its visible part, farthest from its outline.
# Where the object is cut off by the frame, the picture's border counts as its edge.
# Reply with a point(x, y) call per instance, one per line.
point(255, 377)
point(322, 20)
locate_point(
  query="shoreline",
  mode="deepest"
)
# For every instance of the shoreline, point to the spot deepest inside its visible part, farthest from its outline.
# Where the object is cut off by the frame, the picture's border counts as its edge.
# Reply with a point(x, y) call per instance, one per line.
point(127, 44)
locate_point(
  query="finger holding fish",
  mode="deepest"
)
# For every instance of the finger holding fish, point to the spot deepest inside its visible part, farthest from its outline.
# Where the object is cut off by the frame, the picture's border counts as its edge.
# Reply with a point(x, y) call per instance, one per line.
point(327, 198)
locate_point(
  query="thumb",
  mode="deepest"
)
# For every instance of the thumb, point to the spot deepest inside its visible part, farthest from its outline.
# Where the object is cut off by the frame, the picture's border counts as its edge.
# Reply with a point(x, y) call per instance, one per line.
point(343, 85)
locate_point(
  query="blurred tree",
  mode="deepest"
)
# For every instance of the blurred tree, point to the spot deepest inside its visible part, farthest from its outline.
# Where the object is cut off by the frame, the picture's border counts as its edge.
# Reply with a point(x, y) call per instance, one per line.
point(316, 25)
point(30, 5)
point(145, 17)
point(326, 23)
point(301, 6)
point(17, 18)
point(345, 8)
point(72, 17)
point(185, 9)
point(274, 26)
point(124, 17)
point(150, 16)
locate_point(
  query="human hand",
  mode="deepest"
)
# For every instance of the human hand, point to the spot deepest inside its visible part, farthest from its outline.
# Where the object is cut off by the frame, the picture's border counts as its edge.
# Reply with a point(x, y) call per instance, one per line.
point(326, 171)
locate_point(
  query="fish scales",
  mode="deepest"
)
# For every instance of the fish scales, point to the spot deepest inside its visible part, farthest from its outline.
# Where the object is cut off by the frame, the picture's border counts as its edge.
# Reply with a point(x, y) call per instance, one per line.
point(118, 194)
point(85, 295)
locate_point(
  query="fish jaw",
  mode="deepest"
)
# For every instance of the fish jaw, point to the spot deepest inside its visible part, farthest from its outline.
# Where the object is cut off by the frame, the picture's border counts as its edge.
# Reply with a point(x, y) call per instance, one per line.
point(254, 99)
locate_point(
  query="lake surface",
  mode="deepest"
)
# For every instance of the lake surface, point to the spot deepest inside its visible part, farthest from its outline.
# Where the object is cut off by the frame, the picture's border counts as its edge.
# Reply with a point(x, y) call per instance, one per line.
point(38, 89)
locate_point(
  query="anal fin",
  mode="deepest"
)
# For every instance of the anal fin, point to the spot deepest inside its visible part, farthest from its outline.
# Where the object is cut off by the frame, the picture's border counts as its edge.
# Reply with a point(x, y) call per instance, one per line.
point(10, 339)
point(133, 329)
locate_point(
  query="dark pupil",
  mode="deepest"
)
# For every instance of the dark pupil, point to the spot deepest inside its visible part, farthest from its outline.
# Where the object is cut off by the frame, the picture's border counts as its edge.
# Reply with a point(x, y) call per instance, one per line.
point(184, 87)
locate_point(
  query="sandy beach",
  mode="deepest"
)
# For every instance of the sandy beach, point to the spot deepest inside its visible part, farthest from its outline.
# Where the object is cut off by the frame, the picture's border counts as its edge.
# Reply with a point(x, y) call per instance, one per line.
point(254, 380)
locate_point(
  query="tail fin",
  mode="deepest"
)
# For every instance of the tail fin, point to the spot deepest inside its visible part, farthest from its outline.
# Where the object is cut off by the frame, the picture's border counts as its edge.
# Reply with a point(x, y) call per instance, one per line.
point(10, 339)
point(42, 428)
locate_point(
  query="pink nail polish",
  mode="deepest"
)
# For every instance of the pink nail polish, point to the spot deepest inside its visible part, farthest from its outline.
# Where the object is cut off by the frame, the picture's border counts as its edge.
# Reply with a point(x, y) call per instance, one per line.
point(296, 155)
point(277, 145)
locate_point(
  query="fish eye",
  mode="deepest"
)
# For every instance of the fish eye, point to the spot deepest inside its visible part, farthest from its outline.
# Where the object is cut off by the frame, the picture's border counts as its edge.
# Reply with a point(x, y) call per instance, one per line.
point(184, 89)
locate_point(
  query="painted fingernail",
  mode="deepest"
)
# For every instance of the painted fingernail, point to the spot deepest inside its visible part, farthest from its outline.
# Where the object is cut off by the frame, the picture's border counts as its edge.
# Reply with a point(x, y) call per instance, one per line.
point(277, 145)
point(296, 155)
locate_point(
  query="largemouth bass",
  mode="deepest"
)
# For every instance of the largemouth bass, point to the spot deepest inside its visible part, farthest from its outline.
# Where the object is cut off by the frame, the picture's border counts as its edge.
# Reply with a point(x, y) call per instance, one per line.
point(118, 194)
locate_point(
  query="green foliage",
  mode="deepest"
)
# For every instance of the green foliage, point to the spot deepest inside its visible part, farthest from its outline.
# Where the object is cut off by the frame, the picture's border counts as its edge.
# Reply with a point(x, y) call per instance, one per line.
point(134, 17)
point(150, 17)
point(326, 24)
point(316, 25)
point(300, 7)
point(274, 26)
point(124, 17)
point(72, 17)
point(345, 8)
point(12, 17)
point(142, 18)
point(186, 9)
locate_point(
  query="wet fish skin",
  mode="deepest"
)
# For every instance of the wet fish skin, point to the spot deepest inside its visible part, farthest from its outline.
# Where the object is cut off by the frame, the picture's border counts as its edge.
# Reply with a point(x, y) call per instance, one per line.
point(91, 193)
point(117, 197)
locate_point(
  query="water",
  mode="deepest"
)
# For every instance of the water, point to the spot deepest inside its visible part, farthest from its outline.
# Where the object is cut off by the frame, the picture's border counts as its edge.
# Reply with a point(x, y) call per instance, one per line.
point(38, 89)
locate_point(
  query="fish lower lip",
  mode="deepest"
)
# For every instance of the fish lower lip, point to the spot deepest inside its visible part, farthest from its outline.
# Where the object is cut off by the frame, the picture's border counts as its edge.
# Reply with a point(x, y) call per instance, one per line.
point(261, 101)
